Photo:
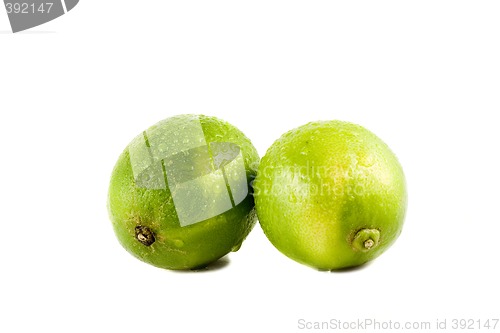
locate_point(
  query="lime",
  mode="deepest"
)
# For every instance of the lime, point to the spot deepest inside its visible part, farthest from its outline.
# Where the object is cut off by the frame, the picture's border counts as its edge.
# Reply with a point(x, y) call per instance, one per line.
point(179, 196)
point(330, 195)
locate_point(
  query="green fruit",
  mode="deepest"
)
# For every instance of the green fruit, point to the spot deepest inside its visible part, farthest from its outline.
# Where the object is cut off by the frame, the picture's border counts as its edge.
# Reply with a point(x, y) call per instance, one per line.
point(330, 195)
point(179, 194)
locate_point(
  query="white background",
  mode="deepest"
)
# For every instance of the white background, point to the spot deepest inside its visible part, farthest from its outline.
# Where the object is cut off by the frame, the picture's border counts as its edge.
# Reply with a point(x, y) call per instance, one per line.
point(422, 75)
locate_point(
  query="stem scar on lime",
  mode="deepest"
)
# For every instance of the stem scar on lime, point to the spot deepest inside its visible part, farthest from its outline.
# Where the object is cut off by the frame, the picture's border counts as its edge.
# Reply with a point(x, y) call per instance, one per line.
point(366, 240)
point(144, 235)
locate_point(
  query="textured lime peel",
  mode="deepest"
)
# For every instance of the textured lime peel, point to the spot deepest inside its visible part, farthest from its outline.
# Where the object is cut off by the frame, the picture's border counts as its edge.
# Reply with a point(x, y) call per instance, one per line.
point(366, 240)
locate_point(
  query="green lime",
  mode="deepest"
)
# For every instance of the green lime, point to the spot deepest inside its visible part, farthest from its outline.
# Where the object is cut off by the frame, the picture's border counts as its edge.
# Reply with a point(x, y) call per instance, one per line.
point(330, 195)
point(179, 196)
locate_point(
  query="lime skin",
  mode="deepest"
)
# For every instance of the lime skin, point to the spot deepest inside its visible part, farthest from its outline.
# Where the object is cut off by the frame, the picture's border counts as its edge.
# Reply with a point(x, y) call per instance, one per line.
point(170, 200)
point(330, 195)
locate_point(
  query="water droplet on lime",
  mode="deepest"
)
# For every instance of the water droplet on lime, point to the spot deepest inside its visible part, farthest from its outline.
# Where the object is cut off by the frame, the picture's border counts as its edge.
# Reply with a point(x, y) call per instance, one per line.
point(178, 243)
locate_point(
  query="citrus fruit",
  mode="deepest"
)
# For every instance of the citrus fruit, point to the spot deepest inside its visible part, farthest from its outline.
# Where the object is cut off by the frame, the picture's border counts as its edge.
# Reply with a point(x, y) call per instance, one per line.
point(330, 195)
point(179, 196)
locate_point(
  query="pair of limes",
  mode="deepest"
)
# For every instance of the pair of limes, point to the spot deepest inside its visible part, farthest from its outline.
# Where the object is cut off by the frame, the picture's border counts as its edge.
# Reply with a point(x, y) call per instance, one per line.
point(188, 190)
